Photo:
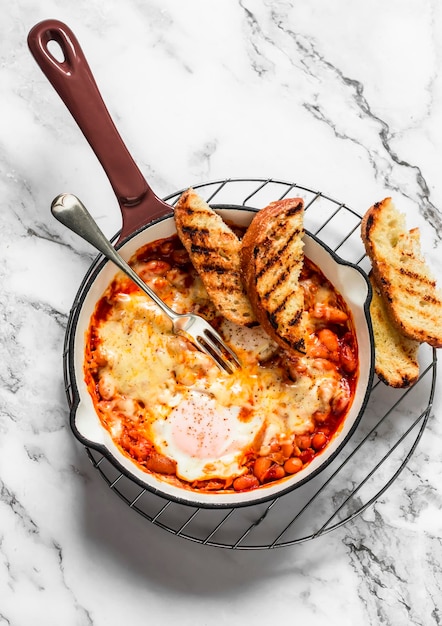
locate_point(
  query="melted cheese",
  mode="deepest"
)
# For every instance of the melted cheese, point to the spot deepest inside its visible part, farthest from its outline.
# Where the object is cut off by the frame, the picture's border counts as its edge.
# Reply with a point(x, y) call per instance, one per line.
point(136, 347)
point(147, 362)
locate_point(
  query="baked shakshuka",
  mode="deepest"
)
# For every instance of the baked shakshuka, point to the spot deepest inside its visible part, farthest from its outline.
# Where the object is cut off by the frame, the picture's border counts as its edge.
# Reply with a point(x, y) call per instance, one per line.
point(170, 409)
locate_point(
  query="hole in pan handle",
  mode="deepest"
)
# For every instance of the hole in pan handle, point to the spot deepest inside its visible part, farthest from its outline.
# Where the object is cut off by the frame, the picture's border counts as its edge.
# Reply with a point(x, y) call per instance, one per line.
point(70, 75)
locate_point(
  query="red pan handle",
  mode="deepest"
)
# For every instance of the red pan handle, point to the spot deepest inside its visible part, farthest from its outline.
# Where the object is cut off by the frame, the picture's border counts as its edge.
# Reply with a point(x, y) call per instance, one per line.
point(75, 84)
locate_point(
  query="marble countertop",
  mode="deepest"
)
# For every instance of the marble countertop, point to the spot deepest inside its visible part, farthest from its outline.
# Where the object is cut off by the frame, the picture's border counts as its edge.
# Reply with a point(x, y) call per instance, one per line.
point(341, 97)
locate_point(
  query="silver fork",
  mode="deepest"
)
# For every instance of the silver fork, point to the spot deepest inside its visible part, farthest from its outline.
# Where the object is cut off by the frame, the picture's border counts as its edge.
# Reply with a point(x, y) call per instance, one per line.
point(72, 213)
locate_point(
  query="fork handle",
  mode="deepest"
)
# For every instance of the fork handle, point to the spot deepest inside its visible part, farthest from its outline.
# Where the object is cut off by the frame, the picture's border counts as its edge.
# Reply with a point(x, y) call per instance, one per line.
point(72, 213)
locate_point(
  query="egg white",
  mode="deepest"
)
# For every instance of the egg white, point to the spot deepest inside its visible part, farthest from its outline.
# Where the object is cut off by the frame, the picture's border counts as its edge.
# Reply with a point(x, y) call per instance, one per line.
point(251, 344)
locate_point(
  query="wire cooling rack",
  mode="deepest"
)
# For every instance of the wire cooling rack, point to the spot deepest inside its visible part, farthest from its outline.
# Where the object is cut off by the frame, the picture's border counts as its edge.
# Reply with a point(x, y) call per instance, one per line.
point(378, 451)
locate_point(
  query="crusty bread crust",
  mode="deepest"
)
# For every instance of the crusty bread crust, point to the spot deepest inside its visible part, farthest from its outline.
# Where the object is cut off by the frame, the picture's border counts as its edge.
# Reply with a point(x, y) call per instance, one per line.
point(214, 251)
point(408, 288)
point(396, 356)
point(271, 262)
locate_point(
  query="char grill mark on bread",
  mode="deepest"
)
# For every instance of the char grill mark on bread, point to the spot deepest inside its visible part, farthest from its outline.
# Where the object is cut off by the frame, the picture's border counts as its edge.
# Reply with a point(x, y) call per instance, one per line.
point(271, 261)
point(396, 361)
point(404, 279)
point(214, 251)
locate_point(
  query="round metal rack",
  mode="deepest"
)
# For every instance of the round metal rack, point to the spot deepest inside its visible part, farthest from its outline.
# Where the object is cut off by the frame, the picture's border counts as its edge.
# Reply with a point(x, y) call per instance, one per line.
point(378, 451)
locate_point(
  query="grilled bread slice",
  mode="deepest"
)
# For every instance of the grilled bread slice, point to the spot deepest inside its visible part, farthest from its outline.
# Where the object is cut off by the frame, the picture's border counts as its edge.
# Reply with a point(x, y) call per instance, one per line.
point(396, 361)
point(271, 261)
point(401, 273)
point(214, 251)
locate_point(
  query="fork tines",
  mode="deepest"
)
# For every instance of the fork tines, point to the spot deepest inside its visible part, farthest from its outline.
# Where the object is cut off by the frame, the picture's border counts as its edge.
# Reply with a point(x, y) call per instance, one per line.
point(223, 356)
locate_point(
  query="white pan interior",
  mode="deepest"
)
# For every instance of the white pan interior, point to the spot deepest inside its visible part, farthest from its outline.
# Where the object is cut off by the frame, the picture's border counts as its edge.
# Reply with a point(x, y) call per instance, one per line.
point(347, 279)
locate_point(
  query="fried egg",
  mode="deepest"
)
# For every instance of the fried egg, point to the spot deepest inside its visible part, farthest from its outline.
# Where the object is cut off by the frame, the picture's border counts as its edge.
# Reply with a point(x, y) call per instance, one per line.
point(207, 440)
point(253, 344)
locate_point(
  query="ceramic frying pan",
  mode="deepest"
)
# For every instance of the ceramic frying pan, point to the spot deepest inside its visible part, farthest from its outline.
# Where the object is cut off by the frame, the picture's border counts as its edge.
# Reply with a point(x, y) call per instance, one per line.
point(145, 218)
